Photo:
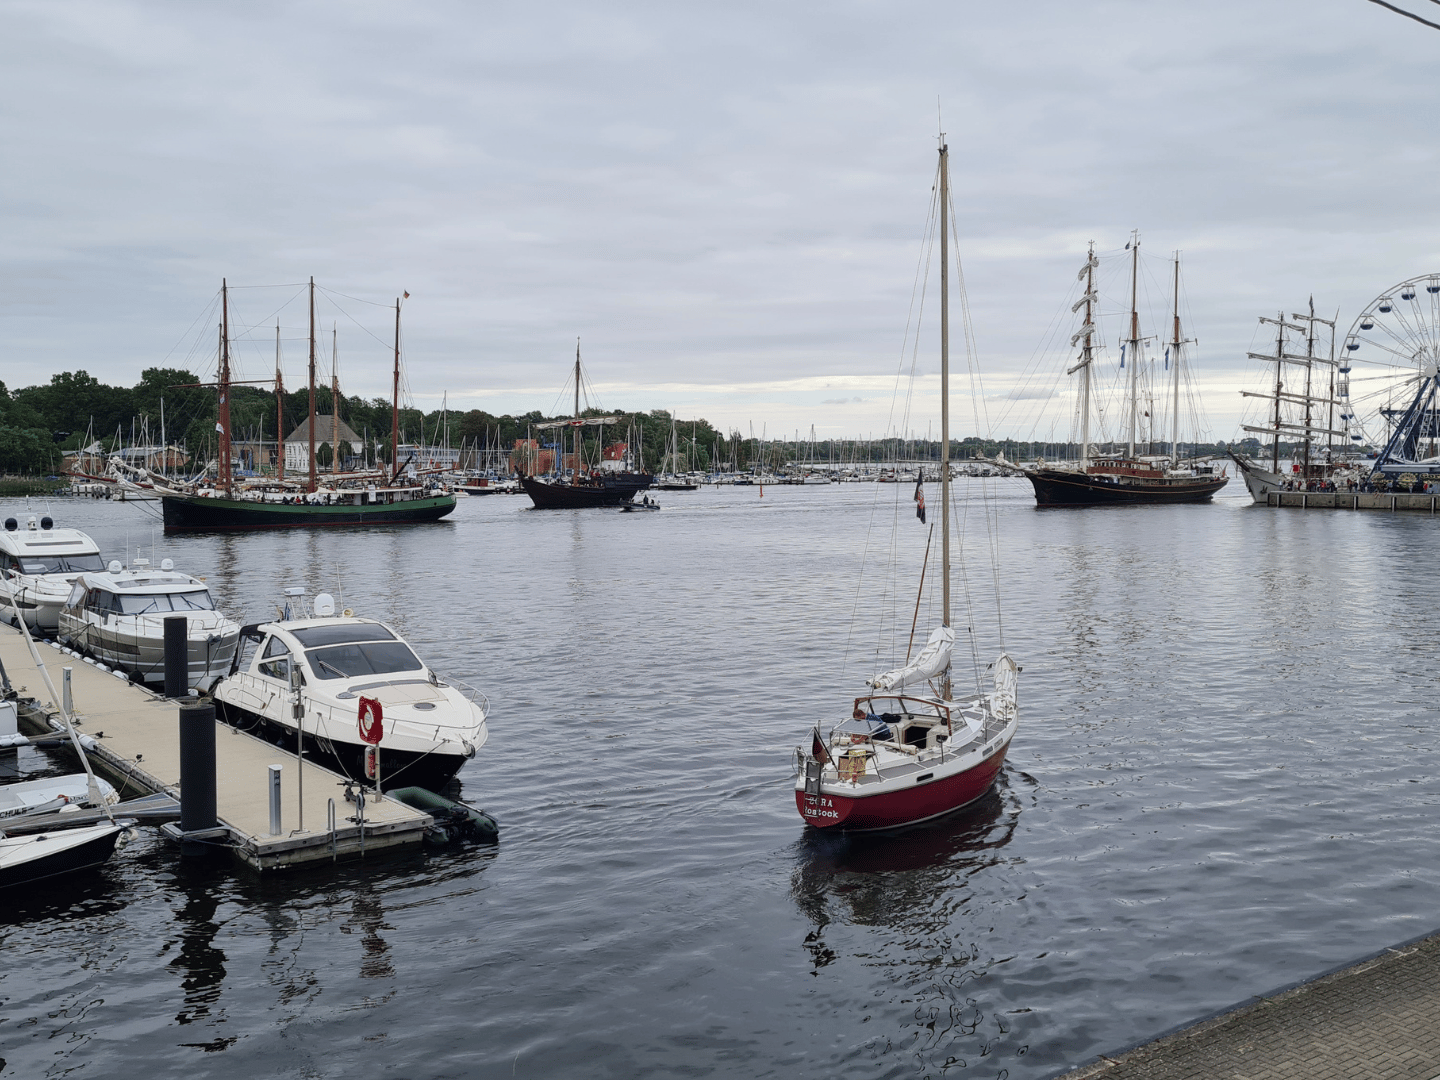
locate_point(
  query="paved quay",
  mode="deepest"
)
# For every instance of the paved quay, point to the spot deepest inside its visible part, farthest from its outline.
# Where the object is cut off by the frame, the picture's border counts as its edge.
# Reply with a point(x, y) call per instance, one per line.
point(1375, 1020)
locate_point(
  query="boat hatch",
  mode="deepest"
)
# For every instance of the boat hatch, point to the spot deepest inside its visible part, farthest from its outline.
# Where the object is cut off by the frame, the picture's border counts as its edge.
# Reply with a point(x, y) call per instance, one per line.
point(341, 634)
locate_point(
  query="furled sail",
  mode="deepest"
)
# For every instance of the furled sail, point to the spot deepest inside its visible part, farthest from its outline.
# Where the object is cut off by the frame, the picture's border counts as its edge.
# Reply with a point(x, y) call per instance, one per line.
point(1084, 332)
point(933, 659)
point(1090, 264)
point(1088, 298)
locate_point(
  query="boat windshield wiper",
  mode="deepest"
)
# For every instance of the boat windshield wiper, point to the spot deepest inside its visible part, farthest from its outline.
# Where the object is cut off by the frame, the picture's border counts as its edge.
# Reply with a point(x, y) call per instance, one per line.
point(332, 667)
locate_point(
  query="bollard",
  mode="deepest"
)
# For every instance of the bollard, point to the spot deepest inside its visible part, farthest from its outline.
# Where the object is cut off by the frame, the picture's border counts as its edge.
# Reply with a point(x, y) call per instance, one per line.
point(197, 772)
point(177, 660)
point(275, 800)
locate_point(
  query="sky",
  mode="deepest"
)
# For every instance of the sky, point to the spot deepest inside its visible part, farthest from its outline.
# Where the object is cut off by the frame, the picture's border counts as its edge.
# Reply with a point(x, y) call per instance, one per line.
point(726, 203)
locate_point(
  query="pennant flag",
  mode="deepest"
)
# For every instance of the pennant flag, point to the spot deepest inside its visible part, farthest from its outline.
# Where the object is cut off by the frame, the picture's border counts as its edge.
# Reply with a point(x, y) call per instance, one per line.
point(405, 296)
point(1122, 357)
point(1167, 357)
point(219, 427)
point(817, 748)
point(920, 497)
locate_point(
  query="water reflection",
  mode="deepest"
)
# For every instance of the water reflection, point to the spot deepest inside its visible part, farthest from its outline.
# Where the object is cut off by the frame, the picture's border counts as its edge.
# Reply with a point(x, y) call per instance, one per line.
point(202, 964)
point(882, 878)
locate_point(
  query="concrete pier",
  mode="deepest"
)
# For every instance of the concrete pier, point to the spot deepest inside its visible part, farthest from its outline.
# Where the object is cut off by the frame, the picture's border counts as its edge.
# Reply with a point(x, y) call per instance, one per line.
point(1377, 1019)
point(139, 751)
point(1352, 500)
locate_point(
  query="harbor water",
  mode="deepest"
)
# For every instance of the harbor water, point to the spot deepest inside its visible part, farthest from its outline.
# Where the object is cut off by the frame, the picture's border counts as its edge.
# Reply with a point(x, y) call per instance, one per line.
point(1225, 780)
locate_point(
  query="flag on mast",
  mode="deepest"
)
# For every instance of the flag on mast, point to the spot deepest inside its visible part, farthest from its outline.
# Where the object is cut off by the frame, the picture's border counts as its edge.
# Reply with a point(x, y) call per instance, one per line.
point(920, 497)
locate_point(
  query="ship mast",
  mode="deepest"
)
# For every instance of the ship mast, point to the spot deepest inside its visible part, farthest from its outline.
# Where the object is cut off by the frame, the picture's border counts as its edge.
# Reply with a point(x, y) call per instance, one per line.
point(1309, 371)
point(395, 403)
point(224, 469)
point(279, 411)
point(1175, 345)
point(945, 392)
point(1134, 344)
point(576, 472)
point(312, 385)
point(334, 401)
point(1087, 356)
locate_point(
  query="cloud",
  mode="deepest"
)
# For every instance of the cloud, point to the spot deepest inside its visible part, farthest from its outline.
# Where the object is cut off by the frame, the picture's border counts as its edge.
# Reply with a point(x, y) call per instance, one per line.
point(710, 197)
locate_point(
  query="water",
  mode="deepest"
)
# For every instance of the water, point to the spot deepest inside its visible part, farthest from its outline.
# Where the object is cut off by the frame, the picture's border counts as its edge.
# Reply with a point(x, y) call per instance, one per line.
point(1224, 781)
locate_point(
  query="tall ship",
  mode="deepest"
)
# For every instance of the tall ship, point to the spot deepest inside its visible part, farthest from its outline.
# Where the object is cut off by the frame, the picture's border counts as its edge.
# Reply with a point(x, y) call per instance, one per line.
point(372, 499)
point(1097, 479)
point(610, 483)
point(915, 747)
point(1317, 450)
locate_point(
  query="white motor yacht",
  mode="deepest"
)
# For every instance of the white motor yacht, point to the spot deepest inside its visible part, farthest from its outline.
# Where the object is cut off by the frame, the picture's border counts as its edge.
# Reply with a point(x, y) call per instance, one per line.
point(350, 672)
point(40, 562)
point(118, 618)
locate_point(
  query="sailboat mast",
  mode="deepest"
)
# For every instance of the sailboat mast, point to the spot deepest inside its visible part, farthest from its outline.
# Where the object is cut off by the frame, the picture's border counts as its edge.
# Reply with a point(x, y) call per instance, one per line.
point(312, 385)
point(1175, 344)
point(334, 400)
point(279, 411)
point(224, 470)
point(1134, 346)
point(1309, 371)
point(945, 386)
point(395, 404)
point(1087, 360)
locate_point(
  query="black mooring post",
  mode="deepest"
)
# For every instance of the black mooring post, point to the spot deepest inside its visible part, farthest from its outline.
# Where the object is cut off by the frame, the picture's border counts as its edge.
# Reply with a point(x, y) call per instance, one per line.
point(197, 768)
point(177, 662)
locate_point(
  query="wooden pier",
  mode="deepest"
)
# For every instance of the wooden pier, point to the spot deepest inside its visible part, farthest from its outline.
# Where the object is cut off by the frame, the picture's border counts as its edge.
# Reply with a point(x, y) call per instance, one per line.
point(138, 749)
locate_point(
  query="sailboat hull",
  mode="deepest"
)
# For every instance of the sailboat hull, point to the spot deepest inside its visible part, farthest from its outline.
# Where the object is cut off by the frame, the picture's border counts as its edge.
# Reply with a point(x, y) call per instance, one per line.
point(837, 807)
point(1060, 487)
point(610, 492)
point(187, 513)
point(26, 859)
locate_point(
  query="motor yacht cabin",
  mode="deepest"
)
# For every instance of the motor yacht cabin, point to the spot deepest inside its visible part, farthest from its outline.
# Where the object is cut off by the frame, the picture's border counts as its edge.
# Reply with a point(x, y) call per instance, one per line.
point(39, 562)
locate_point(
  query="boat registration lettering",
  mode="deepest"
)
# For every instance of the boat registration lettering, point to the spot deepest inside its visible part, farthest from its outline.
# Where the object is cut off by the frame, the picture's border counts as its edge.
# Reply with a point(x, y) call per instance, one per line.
point(813, 809)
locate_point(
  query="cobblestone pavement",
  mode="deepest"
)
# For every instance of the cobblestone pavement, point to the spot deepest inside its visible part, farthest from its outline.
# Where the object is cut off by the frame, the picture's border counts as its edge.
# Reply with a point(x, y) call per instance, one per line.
point(1377, 1020)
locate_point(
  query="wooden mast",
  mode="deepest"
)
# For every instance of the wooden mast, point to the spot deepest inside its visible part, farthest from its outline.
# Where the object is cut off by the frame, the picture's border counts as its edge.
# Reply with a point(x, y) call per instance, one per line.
point(945, 391)
point(334, 401)
point(312, 385)
point(223, 472)
point(279, 411)
point(1175, 344)
point(576, 474)
point(395, 403)
point(1134, 342)
point(1279, 385)
point(1087, 359)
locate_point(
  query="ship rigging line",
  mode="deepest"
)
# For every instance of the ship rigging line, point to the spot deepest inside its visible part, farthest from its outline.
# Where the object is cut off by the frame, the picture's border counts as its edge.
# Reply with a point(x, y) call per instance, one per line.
point(1408, 14)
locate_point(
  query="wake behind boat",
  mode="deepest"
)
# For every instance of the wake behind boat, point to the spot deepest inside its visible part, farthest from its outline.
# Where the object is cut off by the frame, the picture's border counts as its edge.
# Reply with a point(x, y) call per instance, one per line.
point(906, 757)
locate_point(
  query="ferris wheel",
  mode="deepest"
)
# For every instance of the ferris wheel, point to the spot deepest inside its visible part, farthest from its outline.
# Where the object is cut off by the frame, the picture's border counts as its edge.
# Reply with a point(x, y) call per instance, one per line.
point(1397, 333)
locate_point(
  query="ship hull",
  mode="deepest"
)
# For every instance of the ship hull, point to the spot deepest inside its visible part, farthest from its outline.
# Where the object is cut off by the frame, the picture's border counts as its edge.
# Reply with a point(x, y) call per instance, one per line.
point(187, 513)
point(431, 770)
point(1055, 487)
point(834, 808)
point(612, 492)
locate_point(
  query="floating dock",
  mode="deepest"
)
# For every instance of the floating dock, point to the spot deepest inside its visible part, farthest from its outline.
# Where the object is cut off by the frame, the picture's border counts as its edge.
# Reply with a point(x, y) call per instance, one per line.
point(1370, 1020)
point(1352, 500)
point(138, 749)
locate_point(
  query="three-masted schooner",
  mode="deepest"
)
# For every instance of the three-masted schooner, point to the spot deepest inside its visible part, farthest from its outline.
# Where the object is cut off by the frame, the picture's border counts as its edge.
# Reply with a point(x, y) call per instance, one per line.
point(377, 500)
point(1099, 479)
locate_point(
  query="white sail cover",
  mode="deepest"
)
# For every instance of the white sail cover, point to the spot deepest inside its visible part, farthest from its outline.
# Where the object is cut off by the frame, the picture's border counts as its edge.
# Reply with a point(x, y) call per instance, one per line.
point(933, 659)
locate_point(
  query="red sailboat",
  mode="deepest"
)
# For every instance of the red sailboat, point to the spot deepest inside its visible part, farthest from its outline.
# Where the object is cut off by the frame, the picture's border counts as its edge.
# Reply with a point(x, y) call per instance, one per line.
point(912, 749)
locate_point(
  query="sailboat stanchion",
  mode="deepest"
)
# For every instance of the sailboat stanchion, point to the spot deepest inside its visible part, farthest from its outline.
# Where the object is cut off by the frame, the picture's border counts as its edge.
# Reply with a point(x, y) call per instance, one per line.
point(197, 775)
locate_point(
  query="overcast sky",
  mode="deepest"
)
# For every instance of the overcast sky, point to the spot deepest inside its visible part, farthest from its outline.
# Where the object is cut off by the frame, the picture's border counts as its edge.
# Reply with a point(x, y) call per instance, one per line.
point(724, 201)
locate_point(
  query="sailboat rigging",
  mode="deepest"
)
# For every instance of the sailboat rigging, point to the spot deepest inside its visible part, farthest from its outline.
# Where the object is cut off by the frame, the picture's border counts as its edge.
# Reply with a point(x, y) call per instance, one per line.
point(912, 750)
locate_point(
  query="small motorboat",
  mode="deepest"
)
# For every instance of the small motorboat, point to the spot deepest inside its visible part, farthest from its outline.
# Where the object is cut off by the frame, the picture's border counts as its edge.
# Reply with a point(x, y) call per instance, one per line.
point(118, 618)
point(26, 859)
point(354, 678)
point(645, 504)
point(54, 794)
point(41, 562)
